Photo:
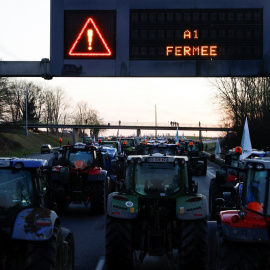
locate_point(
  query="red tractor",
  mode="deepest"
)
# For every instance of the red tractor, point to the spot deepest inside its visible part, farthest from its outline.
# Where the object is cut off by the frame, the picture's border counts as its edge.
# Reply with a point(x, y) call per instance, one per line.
point(79, 179)
point(242, 236)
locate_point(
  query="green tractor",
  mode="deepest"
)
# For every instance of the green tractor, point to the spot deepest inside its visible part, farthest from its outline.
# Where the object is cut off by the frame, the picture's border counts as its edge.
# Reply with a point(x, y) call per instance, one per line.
point(128, 146)
point(157, 211)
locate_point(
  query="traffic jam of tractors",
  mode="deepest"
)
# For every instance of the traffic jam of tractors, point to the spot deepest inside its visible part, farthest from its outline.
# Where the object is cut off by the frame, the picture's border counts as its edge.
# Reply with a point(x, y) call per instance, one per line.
point(152, 205)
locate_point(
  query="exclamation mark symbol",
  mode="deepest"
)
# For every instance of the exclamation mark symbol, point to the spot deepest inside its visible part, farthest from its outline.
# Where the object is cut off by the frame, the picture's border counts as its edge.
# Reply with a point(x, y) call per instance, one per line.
point(90, 38)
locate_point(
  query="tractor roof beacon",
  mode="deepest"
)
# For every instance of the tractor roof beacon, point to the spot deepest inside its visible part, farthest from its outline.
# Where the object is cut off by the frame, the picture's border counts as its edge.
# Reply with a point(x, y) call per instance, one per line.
point(157, 212)
point(31, 235)
point(245, 227)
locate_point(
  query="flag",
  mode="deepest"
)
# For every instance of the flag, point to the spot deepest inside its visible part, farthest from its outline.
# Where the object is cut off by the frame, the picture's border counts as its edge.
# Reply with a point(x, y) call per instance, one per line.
point(246, 142)
point(218, 150)
point(177, 137)
point(183, 136)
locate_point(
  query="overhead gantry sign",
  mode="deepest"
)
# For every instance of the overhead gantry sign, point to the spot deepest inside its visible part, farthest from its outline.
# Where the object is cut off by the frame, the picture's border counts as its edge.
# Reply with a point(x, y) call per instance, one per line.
point(157, 38)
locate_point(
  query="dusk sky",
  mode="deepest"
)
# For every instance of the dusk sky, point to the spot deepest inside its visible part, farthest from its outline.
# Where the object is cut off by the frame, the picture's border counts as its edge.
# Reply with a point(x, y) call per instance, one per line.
point(25, 36)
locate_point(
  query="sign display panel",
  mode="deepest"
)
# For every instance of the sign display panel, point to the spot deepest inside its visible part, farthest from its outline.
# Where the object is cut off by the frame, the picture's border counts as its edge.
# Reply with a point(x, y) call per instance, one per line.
point(89, 34)
point(196, 34)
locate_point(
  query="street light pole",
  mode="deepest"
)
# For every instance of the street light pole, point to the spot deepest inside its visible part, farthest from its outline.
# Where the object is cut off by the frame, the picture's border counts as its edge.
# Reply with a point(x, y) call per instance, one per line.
point(26, 112)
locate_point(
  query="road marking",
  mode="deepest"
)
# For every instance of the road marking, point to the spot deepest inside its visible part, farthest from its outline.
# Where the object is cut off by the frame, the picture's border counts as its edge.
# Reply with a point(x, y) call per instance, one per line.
point(101, 263)
point(211, 173)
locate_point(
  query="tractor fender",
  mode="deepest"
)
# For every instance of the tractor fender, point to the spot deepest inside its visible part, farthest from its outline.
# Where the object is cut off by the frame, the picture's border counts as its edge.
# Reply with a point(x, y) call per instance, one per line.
point(65, 233)
point(192, 207)
point(34, 224)
point(252, 229)
point(221, 176)
point(98, 177)
point(211, 235)
point(122, 206)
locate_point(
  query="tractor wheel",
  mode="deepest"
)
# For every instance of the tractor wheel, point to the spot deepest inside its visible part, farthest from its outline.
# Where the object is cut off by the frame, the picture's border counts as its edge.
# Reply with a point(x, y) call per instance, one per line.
point(46, 255)
point(97, 197)
point(107, 191)
point(71, 251)
point(193, 244)
point(118, 244)
point(214, 192)
point(234, 255)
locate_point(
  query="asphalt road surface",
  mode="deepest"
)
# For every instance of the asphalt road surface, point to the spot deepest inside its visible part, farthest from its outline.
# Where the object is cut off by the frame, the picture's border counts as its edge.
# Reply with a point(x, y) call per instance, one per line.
point(89, 233)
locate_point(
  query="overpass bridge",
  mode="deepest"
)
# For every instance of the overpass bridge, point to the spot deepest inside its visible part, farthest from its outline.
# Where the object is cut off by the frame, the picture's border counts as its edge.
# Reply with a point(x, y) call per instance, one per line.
point(138, 128)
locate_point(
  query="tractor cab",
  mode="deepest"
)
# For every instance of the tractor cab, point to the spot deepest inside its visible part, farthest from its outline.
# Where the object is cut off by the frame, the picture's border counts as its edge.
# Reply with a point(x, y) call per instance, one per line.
point(256, 188)
point(79, 156)
point(20, 180)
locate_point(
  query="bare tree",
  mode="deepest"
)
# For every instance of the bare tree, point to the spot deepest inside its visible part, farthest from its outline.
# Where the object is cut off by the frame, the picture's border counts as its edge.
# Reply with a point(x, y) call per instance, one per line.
point(16, 100)
point(3, 98)
point(85, 115)
point(246, 97)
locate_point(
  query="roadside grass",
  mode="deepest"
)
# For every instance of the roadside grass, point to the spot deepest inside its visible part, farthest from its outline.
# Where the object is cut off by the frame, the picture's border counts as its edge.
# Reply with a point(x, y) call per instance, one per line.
point(211, 147)
point(14, 143)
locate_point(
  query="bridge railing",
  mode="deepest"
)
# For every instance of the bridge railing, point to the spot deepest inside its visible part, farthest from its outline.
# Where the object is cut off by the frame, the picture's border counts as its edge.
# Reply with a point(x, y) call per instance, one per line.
point(163, 124)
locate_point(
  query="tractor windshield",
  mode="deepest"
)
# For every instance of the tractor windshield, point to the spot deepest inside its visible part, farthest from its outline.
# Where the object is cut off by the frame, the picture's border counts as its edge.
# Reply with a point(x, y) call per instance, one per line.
point(163, 150)
point(256, 191)
point(157, 179)
point(80, 160)
point(110, 144)
point(16, 190)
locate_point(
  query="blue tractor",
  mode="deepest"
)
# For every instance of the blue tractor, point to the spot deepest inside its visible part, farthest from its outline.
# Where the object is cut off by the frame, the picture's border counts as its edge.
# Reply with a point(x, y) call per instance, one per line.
point(30, 234)
point(105, 157)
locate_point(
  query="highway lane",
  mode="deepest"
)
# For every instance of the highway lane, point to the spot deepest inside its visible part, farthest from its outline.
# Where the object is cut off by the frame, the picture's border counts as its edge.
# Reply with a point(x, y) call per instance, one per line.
point(89, 233)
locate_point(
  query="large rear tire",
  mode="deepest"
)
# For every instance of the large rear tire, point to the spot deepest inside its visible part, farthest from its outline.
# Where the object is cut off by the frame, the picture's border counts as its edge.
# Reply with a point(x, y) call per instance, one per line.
point(97, 197)
point(234, 255)
point(214, 192)
point(71, 251)
point(193, 245)
point(119, 251)
point(46, 255)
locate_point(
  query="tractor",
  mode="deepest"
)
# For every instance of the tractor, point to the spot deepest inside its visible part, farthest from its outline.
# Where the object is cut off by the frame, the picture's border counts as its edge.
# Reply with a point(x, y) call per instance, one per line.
point(31, 235)
point(128, 146)
point(145, 148)
point(242, 235)
point(227, 179)
point(197, 156)
point(157, 211)
point(79, 179)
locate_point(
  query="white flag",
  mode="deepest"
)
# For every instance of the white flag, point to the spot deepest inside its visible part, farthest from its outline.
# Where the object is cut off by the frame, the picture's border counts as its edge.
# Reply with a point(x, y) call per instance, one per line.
point(246, 142)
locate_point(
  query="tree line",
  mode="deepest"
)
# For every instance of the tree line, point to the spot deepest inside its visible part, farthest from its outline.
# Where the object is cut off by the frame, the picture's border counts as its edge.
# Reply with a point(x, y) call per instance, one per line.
point(45, 105)
point(241, 97)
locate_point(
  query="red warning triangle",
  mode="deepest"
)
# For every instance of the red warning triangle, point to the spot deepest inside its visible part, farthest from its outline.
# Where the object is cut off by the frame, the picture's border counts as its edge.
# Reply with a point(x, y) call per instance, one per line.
point(90, 42)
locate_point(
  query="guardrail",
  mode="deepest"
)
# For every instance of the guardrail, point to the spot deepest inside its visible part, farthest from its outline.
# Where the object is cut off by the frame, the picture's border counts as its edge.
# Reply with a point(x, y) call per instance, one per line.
point(213, 158)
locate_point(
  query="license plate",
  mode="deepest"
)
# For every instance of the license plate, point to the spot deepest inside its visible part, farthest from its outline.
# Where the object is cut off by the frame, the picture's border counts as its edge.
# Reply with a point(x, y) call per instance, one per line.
point(157, 159)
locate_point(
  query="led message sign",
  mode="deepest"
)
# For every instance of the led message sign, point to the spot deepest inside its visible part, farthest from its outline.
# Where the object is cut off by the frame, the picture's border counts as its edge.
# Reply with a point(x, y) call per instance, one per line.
point(196, 34)
point(89, 34)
